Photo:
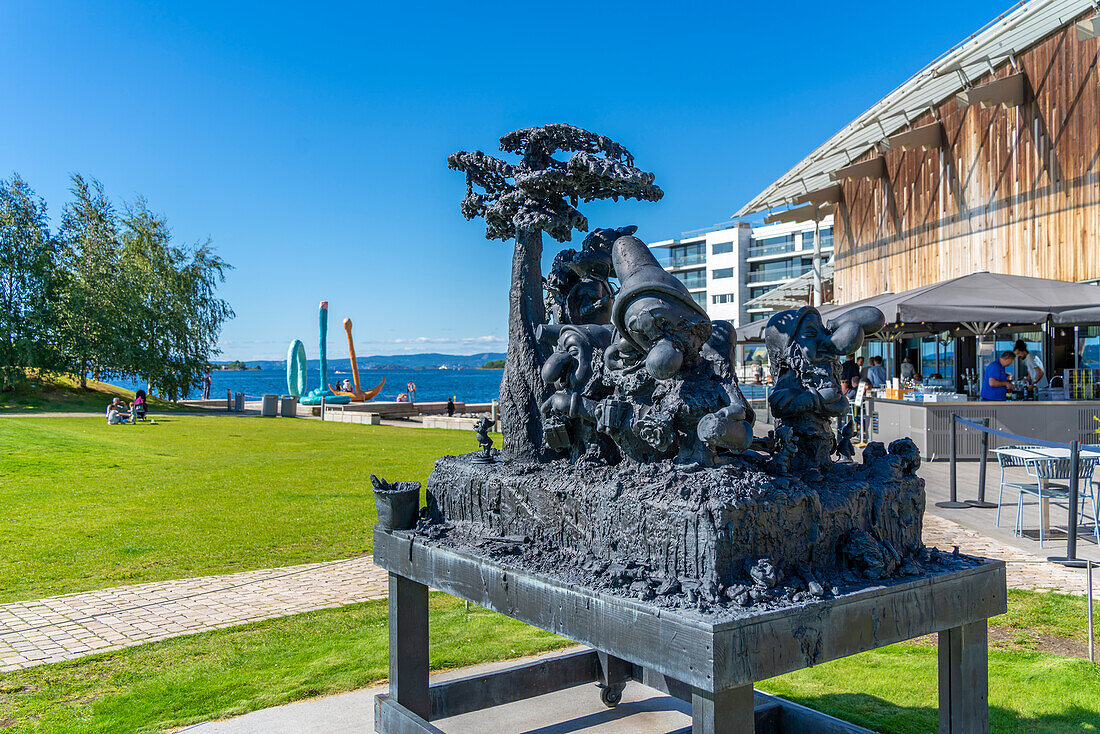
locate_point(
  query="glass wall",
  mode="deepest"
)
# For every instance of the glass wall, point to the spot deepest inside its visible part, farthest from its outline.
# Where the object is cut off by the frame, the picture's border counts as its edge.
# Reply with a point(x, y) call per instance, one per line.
point(1088, 347)
point(693, 278)
point(772, 245)
point(778, 270)
point(937, 356)
point(682, 255)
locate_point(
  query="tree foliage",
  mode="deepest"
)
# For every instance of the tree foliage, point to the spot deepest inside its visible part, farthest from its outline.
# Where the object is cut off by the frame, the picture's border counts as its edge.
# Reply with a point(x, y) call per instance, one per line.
point(540, 193)
point(111, 294)
point(28, 274)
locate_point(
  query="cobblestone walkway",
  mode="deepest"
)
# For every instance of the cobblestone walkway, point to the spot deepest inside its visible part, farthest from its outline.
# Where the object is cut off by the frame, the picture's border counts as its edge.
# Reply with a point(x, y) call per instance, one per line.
point(65, 627)
point(1024, 570)
point(71, 626)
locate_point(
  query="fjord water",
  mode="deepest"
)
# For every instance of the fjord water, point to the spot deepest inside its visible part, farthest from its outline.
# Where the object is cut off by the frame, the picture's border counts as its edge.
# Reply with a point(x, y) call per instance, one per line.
point(467, 385)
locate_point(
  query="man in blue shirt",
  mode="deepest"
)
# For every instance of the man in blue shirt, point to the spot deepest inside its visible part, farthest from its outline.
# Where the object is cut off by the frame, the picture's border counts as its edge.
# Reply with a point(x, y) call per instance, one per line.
point(995, 380)
point(877, 373)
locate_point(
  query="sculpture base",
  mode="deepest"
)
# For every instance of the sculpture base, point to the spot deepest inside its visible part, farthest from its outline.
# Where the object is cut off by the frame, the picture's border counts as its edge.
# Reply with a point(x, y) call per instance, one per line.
point(731, 534)
point(709, 658)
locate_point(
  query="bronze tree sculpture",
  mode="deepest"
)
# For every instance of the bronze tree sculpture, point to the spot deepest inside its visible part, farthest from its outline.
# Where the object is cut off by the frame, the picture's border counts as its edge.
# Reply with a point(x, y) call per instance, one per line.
point(522, 200)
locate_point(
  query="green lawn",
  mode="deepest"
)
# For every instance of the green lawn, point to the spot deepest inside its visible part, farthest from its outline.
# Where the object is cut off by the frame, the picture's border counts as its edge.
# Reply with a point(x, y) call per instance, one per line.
point(84, 505)
point(62, 394)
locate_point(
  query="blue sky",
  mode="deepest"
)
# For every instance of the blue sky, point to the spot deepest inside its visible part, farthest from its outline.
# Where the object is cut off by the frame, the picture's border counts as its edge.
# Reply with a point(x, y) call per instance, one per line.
point(310, 141)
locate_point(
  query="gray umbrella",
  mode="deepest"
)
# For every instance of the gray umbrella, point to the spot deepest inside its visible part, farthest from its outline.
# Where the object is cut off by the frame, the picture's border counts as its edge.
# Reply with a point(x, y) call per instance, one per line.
point(977, 299)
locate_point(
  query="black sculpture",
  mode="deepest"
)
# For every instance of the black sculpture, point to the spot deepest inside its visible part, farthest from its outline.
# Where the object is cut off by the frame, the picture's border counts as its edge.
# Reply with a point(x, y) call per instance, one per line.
point(484, 440)
point(522, 200)
point(638, 514)
point(803, 353)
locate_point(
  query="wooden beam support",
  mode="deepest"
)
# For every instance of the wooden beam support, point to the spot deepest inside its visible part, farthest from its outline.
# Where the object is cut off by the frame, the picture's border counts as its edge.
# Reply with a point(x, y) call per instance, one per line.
point(869, 170)
point(828, 195)
point(1007, 92)
point(964, 679)
point(807, 213)
point(926, 137)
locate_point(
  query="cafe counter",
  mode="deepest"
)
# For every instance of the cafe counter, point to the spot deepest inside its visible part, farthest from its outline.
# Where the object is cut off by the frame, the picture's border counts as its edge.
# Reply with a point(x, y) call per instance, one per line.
point(929, 424)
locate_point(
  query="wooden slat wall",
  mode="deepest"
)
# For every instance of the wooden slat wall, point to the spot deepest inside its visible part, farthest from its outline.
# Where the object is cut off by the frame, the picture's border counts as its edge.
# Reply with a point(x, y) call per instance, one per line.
point(1012, 191)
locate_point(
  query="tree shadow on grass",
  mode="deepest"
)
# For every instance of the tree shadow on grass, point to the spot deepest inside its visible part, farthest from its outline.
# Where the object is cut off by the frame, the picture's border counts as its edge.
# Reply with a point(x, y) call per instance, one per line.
point(884, 716)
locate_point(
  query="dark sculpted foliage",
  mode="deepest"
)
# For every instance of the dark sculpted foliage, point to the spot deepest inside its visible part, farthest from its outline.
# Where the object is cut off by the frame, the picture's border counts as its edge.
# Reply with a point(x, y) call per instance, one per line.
point(540, 193)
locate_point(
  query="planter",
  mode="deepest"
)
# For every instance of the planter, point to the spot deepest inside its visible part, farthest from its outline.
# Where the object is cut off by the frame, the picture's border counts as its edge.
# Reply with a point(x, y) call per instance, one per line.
point(398, 504)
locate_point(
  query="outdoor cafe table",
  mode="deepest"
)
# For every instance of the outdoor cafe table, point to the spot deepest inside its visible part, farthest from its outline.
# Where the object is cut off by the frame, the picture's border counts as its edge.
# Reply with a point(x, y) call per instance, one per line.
point(1050, 453)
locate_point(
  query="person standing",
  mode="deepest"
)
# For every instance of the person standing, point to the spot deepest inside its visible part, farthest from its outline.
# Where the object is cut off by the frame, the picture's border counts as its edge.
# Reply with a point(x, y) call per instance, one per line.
point(1036, 375)
point(206, 380)
point(995, 380)
point(849, 374)
point(876, 373)
point(908, 371)
point(450, 407)
point(862, 369)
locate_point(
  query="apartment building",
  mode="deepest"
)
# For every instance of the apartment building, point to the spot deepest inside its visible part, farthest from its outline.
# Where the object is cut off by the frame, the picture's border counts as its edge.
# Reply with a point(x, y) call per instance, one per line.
point(731, 271)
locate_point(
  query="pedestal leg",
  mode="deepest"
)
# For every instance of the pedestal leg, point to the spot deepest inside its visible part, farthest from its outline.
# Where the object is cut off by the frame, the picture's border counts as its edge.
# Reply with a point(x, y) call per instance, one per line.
point(725, 712)
point(614, 675)
point(409, 645)
point(964, 679)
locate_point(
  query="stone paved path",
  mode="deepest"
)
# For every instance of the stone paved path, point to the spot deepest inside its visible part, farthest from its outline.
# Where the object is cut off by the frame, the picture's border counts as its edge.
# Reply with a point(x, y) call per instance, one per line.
point(71, 626)
point(1024, 570)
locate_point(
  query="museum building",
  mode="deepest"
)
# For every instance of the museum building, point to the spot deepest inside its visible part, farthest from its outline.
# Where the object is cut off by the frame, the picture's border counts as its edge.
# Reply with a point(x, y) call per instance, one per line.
point(987, 159)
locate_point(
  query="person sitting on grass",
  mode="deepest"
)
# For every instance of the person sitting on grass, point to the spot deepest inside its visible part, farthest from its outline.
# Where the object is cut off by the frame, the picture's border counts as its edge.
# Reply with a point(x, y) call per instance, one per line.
point(117, 413)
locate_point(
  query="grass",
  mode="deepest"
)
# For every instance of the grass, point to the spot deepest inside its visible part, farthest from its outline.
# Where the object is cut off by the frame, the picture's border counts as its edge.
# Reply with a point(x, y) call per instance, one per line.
point(84, 505)
point(63, 394)
point(894, 690)
point(230, 672)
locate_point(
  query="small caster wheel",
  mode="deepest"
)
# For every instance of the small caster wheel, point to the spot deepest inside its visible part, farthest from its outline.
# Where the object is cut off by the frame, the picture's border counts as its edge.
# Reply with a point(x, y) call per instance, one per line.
point(611, 696)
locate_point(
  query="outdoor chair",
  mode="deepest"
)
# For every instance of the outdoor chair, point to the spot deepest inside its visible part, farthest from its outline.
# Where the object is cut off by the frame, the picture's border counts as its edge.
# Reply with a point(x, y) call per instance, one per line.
point(1045, 470)
point(1007, 462)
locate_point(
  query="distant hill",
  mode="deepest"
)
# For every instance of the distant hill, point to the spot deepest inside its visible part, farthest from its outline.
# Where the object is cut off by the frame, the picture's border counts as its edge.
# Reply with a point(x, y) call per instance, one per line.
point(429, 361)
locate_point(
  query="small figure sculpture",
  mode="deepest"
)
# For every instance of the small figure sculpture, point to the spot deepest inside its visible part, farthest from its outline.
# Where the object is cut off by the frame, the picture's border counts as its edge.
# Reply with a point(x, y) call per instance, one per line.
point(481, 427)
point(804, 353)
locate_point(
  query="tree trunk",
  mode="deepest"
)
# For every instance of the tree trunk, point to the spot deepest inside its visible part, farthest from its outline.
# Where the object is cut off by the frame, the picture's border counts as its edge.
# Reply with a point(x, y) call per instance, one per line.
point(83, 375)
point(522, 390)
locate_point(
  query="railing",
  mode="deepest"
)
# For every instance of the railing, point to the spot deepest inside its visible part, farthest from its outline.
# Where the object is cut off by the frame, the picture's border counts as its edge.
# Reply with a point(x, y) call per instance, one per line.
point(759, 276)
point(699, 281)
point(771, 249)
point(680, 261)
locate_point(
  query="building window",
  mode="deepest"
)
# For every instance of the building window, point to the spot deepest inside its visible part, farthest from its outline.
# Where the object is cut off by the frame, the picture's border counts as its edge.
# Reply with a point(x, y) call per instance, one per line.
point(722, 298)
point(759, 316)
point(772, 245)
point(700, 298)
point(779, 269)
point(720, 248)
point(693, 278)
point(722, 273)
point(682, 255)
point(826, 238)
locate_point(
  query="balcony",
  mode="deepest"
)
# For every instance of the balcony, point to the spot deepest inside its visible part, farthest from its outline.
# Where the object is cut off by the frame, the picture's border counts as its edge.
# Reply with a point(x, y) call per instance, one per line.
point(779, 249)
point(680, 261)
point(761, 276)
point(693, 279)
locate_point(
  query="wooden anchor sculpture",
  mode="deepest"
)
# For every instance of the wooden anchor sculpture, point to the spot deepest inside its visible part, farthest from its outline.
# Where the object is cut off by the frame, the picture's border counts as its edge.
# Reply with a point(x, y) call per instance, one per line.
point(358, 396)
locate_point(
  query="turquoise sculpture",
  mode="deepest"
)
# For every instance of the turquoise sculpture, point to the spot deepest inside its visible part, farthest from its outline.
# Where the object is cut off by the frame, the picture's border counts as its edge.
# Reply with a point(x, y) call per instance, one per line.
point(296, 368)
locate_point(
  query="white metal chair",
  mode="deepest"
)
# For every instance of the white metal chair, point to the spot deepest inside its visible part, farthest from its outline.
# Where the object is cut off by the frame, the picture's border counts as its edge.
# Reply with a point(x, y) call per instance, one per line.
point(1046, 469)
point(1007, 462)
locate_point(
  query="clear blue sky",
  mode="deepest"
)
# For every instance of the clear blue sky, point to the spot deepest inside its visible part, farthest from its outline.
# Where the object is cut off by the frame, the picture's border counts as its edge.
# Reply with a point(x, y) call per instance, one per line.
point(310, 141)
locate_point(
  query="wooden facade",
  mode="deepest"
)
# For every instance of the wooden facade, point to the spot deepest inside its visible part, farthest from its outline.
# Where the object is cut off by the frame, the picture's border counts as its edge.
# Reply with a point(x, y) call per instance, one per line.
point(1013, 190)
